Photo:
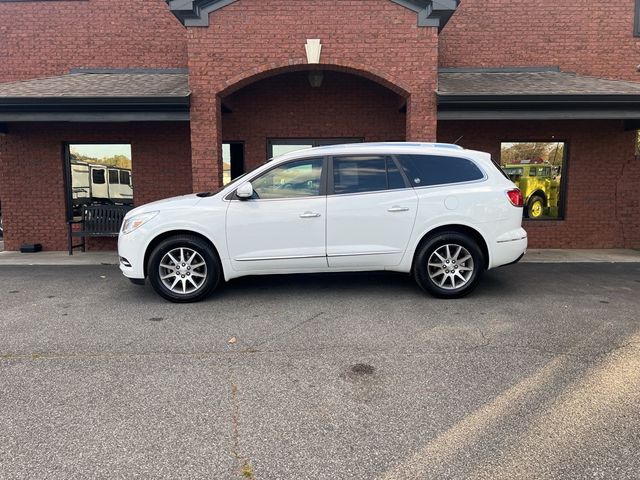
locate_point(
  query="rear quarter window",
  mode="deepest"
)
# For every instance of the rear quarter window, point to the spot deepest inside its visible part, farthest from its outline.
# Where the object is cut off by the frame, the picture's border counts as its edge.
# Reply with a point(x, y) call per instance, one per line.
point(428, 170)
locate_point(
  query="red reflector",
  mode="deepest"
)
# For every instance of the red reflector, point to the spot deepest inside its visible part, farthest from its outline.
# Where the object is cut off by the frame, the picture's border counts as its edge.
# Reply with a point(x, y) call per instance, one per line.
point(515, 197)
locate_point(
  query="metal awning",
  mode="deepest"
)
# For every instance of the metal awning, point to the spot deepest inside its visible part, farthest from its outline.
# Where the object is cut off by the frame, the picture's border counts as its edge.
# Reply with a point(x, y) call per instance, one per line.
point(98, 96)
point(463, 94)
point(533, 94)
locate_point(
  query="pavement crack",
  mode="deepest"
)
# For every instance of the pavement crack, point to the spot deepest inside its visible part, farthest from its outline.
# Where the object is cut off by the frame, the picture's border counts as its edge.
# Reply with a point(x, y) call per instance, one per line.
point(254, 348)
point(244, 464)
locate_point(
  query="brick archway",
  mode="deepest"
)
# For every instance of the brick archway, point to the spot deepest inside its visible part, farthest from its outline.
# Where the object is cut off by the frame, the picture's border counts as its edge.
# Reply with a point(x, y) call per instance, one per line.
point(206, 116)
point(282, 105)
point(267, 70)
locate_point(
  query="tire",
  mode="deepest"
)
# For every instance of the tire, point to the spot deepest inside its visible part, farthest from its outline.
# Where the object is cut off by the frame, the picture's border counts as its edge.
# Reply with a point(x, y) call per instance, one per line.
point(535, 207)
point(186, 250)
point(448, 285)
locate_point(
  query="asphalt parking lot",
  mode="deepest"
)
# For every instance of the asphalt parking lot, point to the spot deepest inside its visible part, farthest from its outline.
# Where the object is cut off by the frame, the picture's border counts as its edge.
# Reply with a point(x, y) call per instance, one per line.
point(355, 376)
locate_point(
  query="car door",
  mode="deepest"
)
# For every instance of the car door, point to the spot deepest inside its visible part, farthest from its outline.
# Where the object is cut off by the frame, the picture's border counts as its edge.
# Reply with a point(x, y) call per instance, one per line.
point(282, 227)
point(371, 210)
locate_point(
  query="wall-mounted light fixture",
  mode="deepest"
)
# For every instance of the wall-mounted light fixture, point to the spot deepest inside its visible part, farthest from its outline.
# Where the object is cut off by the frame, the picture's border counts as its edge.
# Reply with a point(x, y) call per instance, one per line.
point(315, 78)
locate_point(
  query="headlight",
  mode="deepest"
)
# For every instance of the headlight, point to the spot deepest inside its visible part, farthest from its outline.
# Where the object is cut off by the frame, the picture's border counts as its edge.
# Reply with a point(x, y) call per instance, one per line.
point(132, 223)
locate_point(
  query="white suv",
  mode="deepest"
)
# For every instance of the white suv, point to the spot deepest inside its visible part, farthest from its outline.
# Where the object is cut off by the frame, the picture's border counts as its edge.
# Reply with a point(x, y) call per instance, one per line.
point(437, 211)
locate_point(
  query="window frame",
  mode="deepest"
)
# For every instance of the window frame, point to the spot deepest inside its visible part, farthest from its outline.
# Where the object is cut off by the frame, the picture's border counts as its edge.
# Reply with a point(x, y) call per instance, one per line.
point(323, 181)
point(562, 203)
point(331, 179)
point(636, 19)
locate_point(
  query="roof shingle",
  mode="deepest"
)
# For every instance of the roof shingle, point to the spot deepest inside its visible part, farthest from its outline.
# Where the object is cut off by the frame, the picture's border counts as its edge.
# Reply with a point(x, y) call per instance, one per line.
point(101, 85)
point(465, 83)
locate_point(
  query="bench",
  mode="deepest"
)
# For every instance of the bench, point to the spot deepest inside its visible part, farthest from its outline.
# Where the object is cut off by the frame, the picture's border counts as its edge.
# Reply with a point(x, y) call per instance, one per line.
point(97, 221)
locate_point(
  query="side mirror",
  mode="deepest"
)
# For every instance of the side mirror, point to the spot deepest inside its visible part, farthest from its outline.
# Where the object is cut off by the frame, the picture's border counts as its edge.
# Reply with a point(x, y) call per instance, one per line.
point(245, 191)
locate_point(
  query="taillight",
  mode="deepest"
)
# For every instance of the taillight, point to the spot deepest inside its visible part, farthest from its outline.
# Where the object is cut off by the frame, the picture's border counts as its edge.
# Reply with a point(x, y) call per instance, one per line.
point(515, 197)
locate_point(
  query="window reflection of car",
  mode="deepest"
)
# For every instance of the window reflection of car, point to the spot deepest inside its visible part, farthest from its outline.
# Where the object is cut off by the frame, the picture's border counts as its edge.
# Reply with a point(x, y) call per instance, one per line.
point(438, 212)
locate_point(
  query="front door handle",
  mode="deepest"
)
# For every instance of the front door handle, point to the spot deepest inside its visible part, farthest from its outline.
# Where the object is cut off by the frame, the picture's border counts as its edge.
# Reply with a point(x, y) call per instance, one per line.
point(309, 215)
point(396, 208)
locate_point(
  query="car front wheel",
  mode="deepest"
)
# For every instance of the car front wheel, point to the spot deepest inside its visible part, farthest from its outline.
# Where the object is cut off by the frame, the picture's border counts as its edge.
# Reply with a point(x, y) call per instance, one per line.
point(449, 265)
point(184, 269)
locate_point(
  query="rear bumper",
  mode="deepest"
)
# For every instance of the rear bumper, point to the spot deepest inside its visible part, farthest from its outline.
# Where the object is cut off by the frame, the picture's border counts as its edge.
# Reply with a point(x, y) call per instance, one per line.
point(509, 248)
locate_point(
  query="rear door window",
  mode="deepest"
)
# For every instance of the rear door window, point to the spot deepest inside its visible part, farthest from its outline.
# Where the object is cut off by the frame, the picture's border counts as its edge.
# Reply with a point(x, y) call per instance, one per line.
point(360, 174)
point(430, 170)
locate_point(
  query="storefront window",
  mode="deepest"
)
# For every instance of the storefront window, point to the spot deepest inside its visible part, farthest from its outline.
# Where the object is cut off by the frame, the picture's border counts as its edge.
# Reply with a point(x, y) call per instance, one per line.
point(98, 174)
point(538, 170)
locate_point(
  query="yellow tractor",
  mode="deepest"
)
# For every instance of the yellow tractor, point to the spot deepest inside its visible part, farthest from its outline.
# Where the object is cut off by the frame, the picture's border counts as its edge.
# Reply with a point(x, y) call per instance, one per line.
point(539, 184)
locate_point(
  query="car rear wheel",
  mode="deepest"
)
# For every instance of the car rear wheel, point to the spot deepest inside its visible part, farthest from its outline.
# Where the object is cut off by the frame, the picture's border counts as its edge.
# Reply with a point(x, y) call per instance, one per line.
point(184, 269)
point(449, 265)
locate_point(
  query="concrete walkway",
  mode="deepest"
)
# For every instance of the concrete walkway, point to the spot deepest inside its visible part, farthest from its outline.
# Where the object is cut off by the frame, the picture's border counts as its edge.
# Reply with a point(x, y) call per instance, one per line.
point(532, 256)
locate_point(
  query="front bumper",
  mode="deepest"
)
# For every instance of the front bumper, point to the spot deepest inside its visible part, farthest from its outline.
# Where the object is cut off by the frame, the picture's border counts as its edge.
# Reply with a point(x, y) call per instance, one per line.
point(131, 248)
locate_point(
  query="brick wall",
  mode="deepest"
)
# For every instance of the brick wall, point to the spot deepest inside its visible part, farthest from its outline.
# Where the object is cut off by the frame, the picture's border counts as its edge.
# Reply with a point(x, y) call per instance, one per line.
point(48, 38)
point(251, 38)
point(32, 181)
point(583, 36)
point(602, 203)
point(344, 106)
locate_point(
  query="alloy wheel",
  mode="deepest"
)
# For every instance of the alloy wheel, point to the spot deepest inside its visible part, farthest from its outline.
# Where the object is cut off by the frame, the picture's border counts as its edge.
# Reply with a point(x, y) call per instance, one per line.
point(450, 266)
point(183, 270)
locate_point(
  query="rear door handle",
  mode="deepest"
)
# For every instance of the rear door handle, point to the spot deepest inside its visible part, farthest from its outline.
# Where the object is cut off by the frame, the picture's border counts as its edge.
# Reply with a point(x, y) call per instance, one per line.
point(309, 215)
point(397, 208)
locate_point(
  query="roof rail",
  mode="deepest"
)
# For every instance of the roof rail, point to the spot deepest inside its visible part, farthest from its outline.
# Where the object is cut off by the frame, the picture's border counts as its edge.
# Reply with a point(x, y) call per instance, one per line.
point(395, 144)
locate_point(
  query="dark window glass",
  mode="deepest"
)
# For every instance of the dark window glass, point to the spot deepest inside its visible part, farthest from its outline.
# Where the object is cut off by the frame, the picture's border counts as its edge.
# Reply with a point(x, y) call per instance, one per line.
point(125, 177)
point(532, 171)
point(98, 176)
point(394, 177)
point(426, 170)
point(291, 180)
point(359, 174)
point(113, 177)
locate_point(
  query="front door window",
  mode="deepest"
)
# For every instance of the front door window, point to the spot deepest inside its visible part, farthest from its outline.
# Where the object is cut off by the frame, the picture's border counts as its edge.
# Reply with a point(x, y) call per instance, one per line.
point(292, 180)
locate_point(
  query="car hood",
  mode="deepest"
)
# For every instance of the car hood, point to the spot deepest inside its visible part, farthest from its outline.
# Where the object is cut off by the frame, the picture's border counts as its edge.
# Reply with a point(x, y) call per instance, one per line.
point(183, 201)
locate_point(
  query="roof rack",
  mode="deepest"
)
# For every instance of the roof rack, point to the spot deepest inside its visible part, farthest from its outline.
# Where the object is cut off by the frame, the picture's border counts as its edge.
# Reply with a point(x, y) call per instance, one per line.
point(394, 144)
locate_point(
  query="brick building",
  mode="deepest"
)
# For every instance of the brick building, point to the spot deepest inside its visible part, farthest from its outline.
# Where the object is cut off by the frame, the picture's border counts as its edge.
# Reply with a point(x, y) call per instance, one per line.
point(199, 91)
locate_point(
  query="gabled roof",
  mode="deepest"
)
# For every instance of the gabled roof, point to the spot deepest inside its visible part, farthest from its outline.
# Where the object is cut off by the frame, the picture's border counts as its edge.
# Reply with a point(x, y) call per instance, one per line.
point(531, 93)
point(431, 13)
point(98, 95)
